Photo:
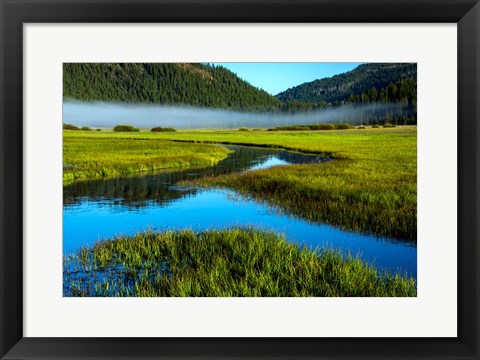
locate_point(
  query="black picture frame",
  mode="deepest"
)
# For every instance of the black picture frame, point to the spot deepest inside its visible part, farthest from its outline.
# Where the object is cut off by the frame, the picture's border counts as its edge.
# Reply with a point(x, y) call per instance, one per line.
point(14, 13)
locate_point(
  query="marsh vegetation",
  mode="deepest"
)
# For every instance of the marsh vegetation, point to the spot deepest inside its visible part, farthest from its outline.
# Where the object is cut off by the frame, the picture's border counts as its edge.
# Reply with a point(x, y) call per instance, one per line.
point(233, 262)
point(372, 187)
point(369, 187)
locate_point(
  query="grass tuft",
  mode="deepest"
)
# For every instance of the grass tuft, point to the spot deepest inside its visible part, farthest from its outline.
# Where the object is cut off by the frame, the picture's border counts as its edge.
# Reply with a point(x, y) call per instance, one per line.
point(222, 263)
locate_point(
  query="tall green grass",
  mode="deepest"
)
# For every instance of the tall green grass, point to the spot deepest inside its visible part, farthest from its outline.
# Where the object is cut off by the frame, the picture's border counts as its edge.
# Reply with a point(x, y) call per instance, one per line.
point(329, 193)
point(98, 157)
point(226, 263)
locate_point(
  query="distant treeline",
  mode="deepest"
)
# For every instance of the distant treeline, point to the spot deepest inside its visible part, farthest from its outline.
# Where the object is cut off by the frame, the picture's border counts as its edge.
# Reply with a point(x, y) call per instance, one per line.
point(119, 128)
point(343, 126)
point(403, 91)
point(73, 127)
point(390, 119)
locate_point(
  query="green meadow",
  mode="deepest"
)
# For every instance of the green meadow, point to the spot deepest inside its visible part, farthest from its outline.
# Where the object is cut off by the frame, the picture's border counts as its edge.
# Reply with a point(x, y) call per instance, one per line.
point(227, 263)
point(370, 186)
point(90, 156)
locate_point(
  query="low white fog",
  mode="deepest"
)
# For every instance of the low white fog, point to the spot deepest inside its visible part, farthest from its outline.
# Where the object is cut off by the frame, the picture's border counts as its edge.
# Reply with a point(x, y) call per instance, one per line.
point(107, 115)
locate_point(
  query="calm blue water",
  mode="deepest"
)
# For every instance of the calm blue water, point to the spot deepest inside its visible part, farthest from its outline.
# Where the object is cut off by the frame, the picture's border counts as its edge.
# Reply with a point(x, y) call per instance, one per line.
point(103, 209)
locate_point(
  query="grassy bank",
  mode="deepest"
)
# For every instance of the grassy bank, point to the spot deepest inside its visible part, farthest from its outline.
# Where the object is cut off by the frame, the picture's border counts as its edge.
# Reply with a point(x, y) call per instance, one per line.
point(329, 193)
point(93, 157)
point(234, 262)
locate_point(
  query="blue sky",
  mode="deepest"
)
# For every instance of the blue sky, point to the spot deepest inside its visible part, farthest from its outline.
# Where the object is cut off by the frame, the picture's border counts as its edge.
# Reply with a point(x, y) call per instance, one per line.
point(277, 77)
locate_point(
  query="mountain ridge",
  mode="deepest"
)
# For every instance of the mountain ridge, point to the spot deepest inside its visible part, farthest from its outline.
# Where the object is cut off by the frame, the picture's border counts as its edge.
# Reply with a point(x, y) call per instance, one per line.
point(201, 85)
point(339, 87)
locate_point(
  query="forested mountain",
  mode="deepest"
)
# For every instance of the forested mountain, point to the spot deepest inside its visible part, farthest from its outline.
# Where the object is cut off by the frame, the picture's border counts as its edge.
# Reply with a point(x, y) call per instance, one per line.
point(200, 85)
point(340, 87)
point(204, 85)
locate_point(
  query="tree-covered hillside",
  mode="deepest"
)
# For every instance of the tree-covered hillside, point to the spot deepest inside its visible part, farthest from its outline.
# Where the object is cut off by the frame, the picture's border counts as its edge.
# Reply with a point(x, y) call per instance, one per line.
point(340, 87)
point(204, 85)
point(200, 85)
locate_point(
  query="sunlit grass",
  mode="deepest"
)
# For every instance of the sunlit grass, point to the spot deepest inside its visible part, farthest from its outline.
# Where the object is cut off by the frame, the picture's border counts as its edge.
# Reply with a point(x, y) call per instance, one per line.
point(99, 157)
point(371, 187)
point(226, 263)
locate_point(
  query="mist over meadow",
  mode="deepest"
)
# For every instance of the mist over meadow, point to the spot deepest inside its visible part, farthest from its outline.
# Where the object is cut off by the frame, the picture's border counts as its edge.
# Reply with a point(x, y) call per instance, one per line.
point(107, 115)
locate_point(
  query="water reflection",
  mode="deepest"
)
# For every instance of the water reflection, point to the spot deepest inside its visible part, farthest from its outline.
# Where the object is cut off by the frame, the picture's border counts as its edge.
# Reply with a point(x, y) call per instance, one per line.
point(157, 187)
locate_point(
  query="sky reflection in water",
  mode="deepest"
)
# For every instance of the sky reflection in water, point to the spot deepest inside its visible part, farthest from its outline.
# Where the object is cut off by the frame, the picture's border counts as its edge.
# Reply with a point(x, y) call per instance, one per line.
point(102, 209)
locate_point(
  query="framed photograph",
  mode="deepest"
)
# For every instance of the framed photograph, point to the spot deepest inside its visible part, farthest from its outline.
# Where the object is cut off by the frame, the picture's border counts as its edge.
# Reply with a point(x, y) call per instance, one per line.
point(239, 179)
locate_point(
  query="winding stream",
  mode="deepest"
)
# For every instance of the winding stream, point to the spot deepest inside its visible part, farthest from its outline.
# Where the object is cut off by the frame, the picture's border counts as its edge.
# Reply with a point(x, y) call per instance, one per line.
point(101, 209)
